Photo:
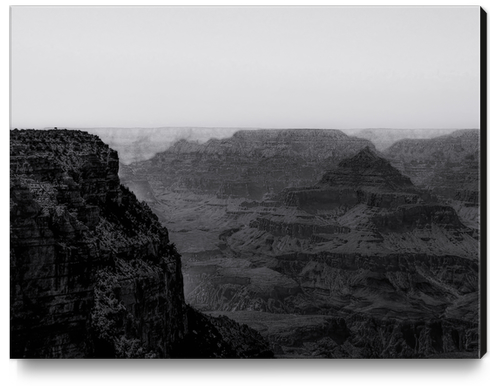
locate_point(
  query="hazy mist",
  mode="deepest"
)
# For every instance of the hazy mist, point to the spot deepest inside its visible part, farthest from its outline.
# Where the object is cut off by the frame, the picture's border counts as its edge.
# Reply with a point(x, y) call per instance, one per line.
point(245, 67)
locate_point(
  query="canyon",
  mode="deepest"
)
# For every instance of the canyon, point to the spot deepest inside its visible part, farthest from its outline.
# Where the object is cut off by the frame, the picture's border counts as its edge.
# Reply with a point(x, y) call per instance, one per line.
point(288, 243)
point(325, 245)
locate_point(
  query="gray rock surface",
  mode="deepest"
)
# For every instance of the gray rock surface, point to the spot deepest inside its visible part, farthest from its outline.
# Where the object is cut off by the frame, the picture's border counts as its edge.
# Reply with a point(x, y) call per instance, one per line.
point(353, 260)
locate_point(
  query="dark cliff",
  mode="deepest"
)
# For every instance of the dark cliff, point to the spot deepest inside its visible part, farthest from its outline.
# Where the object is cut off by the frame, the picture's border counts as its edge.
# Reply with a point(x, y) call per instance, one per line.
point(93, 273)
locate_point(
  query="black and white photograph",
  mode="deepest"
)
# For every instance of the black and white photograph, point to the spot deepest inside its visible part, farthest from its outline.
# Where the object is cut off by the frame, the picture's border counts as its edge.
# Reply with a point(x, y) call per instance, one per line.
point(247, 183)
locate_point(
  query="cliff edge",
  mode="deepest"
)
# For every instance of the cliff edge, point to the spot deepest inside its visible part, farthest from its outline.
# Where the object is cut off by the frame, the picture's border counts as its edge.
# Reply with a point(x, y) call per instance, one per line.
point(93, 273)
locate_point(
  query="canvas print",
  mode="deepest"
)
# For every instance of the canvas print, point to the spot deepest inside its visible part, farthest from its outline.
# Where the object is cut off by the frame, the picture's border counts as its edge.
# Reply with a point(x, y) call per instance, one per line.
point(239, 182)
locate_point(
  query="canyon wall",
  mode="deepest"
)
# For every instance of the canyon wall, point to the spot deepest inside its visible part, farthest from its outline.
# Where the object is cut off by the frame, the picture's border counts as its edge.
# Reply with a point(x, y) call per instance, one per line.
point(347, 257)
point(93, 273)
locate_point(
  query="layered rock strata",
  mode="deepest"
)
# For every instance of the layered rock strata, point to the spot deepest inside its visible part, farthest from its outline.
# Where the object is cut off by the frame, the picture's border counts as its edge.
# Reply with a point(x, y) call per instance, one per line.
point(250, 164)
point(364, 249)
point(93, 273)
point(353, 260)
point(364, 178)
point(448, 166)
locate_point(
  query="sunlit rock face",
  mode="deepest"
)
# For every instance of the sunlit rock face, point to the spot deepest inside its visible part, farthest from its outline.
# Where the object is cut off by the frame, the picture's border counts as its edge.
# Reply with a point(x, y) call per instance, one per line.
point(93, 273)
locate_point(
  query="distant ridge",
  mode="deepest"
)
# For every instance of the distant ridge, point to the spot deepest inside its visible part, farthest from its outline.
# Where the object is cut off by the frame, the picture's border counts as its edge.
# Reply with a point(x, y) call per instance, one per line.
point(383, 138)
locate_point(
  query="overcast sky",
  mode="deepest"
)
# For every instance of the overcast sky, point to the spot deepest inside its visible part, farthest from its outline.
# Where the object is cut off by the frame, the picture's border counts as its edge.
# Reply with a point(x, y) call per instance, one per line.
point(245, 67)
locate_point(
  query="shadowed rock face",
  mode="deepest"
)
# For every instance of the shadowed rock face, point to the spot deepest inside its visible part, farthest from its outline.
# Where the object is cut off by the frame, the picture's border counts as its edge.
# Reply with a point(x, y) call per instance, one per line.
point(92, 271)
point(364, 178)
point(367, 169)
point(220, 337)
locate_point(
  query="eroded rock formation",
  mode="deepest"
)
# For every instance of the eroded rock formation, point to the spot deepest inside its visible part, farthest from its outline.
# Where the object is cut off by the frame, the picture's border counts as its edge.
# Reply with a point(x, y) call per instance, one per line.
point(93, 273)
point(448, 166)
point(351, 260)
point(248, 165)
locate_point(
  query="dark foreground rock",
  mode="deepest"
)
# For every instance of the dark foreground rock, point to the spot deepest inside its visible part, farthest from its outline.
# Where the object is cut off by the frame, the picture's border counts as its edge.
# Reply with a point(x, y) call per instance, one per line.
point(361, 336)
point(220, 337)
point(93, 273)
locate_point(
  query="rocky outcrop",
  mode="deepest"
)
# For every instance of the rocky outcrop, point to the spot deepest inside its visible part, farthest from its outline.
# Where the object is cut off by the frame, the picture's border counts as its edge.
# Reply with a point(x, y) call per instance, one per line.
point(364, 178)
point(92, 269)
point(220, 337)
point(93, 273)
point(367, 169)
